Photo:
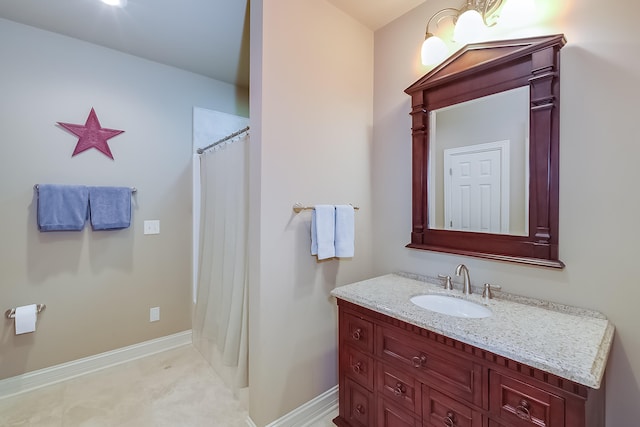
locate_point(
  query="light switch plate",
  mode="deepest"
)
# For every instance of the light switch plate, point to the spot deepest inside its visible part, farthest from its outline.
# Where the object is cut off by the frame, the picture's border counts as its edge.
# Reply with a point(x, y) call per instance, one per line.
point(152, 226)
point(154, 314)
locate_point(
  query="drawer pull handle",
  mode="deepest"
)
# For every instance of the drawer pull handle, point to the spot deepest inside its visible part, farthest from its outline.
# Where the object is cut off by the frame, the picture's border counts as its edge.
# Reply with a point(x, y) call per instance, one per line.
point(450, 419)
point(357, 334)
point(399, 390)
point(419, 361)
point(359, 409)
point(357, 367)
point(522, 410)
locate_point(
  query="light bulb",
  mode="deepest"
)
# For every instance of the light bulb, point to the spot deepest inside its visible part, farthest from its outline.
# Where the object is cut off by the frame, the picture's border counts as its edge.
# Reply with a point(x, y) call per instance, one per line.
point(469, 27)
point(433, 50)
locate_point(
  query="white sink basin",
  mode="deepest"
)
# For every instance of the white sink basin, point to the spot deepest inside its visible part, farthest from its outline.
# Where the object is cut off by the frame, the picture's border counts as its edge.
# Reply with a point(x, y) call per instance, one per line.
point(452, 306)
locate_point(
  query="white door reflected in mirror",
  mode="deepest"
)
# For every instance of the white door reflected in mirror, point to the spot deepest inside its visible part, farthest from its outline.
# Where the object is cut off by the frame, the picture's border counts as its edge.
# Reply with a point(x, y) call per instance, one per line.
point(476, 188)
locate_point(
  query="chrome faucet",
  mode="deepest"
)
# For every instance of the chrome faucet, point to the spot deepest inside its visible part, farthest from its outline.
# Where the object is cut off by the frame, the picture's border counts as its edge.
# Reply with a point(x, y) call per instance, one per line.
point(466, 279)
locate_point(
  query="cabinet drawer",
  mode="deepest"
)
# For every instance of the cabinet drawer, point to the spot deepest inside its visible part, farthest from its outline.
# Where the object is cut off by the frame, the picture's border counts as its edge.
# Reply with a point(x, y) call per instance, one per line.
point(390, 415)
point(522, 405)
point(441, 410)
point(456, 375)
point(398, 387)
point(358, 410)
point(356, 331)
point(358, 366)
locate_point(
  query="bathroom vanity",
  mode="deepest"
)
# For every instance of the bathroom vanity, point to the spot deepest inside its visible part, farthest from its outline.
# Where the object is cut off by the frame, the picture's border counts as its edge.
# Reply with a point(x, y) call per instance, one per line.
point(530, 363)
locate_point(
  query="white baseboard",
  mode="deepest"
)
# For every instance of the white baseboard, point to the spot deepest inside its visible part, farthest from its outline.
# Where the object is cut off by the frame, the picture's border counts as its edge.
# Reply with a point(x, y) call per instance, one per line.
point(309, 413)
point(75, 368)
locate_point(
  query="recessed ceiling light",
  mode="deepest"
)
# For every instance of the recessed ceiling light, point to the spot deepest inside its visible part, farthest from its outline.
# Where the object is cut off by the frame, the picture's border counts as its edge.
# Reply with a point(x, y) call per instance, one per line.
point(117, 3)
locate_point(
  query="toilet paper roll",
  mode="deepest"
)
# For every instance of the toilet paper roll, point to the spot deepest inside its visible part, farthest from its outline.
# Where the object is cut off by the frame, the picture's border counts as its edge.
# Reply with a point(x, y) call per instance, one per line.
point(25, 319)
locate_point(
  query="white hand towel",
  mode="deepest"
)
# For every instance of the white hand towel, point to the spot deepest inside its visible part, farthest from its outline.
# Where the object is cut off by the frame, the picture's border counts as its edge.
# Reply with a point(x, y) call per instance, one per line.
point(345, 234)
point(323, 220)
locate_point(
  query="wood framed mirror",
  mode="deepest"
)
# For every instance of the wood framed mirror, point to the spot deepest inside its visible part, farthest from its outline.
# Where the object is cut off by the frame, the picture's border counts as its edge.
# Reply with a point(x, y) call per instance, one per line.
point(485, 178)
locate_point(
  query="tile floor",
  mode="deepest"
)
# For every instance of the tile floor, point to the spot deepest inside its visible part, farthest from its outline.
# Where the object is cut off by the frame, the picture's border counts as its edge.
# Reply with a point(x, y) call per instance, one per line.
point(175, 388)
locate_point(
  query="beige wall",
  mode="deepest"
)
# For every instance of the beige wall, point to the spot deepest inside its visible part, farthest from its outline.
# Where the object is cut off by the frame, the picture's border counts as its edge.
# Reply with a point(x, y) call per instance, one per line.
point(598, 174)
point(311, 112)
point(98, 286)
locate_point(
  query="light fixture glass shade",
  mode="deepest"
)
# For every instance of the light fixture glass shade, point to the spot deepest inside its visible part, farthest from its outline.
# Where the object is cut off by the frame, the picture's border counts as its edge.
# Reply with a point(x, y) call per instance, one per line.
point(469, 27)
point(433, 50)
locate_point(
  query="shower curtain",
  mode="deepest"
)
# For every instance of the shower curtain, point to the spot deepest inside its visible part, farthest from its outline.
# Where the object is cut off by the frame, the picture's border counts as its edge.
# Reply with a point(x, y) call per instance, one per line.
point(220, 315)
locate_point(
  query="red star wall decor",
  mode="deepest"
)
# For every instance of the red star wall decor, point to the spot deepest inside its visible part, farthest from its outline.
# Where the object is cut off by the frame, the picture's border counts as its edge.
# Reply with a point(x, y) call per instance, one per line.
point(92, 135)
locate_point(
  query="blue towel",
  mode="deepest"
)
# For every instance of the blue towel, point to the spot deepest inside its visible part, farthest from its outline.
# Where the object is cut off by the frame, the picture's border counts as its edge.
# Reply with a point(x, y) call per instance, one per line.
point(110, 207)
point(62, 207)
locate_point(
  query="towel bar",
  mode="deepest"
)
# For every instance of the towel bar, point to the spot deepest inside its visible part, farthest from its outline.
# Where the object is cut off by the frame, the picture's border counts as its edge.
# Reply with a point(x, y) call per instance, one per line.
point(133, 189)
point(11, 313)
point(299, 207)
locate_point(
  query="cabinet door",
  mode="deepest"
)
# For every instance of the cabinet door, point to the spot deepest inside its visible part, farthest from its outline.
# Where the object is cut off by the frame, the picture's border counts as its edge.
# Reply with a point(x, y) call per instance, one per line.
point(398, 387)
point(519, 404)
point(357, 365)
point(356, 331)
point(440, 410)
point(359, 408)
point(389, 415)
point(453, 374)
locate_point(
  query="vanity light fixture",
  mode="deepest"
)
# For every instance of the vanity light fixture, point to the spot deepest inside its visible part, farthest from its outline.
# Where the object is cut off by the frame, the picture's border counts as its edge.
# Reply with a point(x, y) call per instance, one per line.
point(471, 21)
point(115, 3)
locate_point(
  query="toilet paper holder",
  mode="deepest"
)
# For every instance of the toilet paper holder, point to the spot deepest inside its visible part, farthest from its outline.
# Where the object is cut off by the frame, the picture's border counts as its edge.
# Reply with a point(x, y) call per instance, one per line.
point(11, 313)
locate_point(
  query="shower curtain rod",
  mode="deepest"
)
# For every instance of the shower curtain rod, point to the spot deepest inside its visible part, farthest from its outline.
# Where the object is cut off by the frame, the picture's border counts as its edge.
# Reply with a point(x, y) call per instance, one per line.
point(220, 141)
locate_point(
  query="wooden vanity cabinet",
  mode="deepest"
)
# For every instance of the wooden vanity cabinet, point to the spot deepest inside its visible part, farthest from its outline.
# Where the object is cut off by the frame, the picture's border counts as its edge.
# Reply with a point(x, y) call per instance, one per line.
point(394, 374)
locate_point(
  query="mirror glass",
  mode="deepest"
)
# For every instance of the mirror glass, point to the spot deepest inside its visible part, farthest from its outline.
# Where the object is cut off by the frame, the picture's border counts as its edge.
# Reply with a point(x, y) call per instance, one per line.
point(479, 165)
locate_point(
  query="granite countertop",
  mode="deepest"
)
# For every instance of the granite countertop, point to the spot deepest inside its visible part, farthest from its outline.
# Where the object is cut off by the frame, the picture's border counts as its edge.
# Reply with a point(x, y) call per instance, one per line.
point(569, 342)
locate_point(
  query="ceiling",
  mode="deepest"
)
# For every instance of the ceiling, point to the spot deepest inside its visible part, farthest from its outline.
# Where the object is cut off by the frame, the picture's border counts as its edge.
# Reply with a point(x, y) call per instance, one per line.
point(207, 37)
point(375, 13)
